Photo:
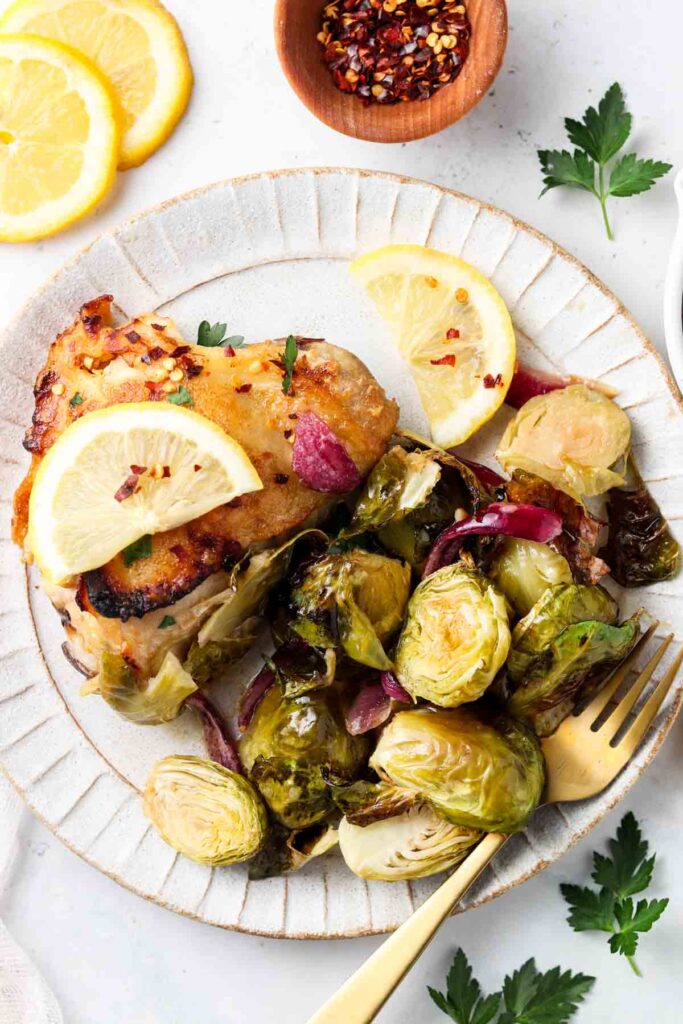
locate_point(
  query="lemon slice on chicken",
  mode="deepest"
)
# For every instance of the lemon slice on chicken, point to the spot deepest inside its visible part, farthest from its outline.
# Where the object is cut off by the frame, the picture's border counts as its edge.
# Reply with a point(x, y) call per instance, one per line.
point(453, 329)
point(121, 473)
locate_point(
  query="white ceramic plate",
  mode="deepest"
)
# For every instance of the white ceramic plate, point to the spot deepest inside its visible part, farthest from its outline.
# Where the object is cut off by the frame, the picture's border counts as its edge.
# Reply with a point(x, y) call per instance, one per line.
point(268, 254)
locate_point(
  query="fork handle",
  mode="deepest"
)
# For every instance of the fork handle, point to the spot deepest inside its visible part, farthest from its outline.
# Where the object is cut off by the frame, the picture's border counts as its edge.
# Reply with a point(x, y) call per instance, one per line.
point(361, 998)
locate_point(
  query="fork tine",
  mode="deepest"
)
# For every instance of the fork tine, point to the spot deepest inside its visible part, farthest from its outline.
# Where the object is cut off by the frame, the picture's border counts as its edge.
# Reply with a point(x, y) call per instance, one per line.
point(602, 698)
point(643, 720)
point(613, 724)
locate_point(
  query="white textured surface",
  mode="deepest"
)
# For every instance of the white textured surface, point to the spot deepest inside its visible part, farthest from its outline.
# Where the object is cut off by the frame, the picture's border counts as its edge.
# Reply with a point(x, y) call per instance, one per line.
point(497, 164)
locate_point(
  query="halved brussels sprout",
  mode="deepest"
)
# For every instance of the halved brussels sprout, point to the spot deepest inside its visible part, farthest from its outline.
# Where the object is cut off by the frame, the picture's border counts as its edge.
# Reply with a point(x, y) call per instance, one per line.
point(455, 638)
point(143, 701)
point(354, 599)
point(571, 661)
point(570, 437)
point(483, 773)
point(524, 569)
point(205, 811)
point(288, 742)
point(558, 607)
point(400, 482)
point(415, 844)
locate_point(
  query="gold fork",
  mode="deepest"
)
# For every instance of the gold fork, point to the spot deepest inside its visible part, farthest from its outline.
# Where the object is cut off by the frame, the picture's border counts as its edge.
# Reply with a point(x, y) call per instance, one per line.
point(585, 754)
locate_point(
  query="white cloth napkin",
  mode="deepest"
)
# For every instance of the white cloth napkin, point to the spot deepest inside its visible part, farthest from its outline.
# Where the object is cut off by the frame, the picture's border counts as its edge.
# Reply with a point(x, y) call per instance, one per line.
point(25, 997)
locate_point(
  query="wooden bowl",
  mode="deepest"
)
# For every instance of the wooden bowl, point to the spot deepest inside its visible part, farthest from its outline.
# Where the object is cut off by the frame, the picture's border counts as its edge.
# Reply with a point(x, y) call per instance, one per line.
point(297, 23)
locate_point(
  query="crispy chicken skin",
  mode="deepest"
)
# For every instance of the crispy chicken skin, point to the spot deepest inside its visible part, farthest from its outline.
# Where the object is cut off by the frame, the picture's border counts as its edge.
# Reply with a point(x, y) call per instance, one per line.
point(242, 392)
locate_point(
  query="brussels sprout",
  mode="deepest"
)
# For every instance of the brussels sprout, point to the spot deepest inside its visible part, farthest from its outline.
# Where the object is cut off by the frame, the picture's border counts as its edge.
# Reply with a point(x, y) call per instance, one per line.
point(562, 669)
point(411, 845)
point(571, 438)
point(205, 662)
point(483, 773)
point(400, 482)
point(288, 850)
point(287, 743)
point(299, 668)
point(354, 600)
point(205, 811)
point(143, 701)
point(524, 569)
point(560, 606)
point(455, 638)
point(363, 802)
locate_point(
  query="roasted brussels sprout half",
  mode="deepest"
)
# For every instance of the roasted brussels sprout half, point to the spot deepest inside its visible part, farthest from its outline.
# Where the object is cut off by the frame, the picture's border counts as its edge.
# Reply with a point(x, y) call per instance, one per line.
point(455, 638)
point(524, 569)
point(571, 437)
point(205, 811)
point(400, 482)
point(414, 844)
point(481, 772)
point(287, 744)
point(287, 850)
point(143, 701)
point(581, 654)
point(354, 600)
point(558, 607)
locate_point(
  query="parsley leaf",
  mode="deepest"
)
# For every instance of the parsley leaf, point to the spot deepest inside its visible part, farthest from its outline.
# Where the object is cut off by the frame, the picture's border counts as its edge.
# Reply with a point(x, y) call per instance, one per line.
point(141, 548)
point(626, 872)
point(75, 400)
point(213, 336)
point(529, 996)
point(598, 137)
point(289, 358)
point(180, 397)
point(166, 622)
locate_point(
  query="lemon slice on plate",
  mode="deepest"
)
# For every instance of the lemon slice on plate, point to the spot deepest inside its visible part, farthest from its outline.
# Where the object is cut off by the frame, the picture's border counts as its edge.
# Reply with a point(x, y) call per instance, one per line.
point(122, 472)
point(451, 326)
point(136, 44)
point(59, 137)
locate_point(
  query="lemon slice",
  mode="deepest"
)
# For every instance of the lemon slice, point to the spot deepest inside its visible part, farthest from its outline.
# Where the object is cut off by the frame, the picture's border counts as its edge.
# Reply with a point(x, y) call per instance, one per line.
point(176, 464)
point(59, 137)
point(136, 44)
point(451, 326)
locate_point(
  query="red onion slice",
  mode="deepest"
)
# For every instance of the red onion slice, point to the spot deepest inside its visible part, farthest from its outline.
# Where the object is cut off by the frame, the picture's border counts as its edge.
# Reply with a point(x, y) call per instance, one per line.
point(528, 522)
point(393, 688)
point(219, 744)
point(253, 695)
point(485, 474)
point(528, 383)
point(319, 458)
point(370, 709)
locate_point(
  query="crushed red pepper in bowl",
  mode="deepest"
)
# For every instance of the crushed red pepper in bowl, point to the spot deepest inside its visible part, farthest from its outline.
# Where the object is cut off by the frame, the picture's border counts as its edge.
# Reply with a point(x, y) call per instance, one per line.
point(392, 51)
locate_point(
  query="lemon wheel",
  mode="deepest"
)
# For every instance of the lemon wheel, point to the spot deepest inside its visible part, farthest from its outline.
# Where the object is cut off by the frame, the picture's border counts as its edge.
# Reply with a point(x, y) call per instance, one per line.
point(136, 44)
point(126, 471)
point(453, 329)
point(59, 137)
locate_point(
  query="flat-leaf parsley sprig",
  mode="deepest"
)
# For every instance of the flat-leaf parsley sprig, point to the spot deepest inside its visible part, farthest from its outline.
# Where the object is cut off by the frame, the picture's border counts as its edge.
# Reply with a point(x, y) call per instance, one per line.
point(611, 909)
point(528, 996)
point(598, 138)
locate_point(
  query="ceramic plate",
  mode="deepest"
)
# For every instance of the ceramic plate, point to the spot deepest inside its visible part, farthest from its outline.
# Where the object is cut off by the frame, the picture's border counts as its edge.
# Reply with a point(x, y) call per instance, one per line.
point(269, 254)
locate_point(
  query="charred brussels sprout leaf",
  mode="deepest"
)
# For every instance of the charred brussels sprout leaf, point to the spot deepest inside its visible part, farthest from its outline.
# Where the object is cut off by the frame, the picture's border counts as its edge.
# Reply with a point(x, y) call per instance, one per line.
point(363, 802)
point(286, 745)
point(288, 850)
point(400, 482)
point(455, 639)
point(482, 773)
point(205, 662)
point(144, 701)
point(640, 547)
point(579, 656)
point(559, 606)
point(524, 569)
point(299, 668)
point(571, 438)
point(205, 811)
point(353, 600)
point(414, 844)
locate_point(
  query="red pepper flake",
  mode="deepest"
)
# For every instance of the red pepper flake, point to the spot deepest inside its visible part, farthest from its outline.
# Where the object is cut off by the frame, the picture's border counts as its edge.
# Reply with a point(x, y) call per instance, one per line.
point(156, 353)
point(281, 478)
point(229, 351)
point(447, 360)
point(243, 389)
point(493, 382)
point(389, 52)
point(155, 386)
point(133, 337)
point(159, 327)
point(192, 370)
point(452, 332)
point(166, 473)
point(127, 488)
point(197, 468)
point(180, 350)
point(292, 416)
point(287, 434)
point(138, 470)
